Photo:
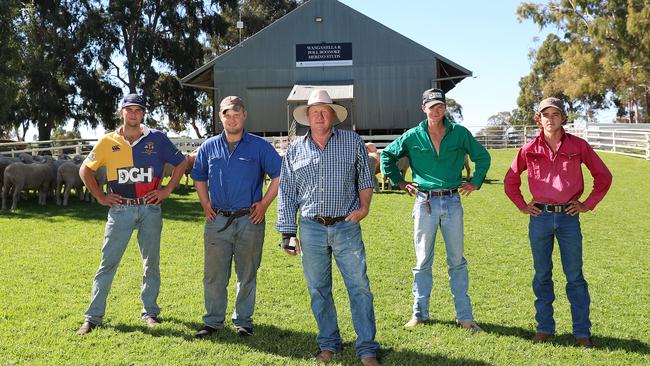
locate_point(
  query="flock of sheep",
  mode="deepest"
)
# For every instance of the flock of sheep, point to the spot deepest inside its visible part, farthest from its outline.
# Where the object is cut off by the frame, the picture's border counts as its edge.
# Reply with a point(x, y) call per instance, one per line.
point(50, 177)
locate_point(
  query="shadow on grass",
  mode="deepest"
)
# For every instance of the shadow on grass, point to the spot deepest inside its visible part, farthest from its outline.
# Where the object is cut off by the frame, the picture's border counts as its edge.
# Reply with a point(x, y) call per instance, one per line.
point(392, 191)
point(493, 181)
point(174, 209)
point(289, 343)
point(566, 340)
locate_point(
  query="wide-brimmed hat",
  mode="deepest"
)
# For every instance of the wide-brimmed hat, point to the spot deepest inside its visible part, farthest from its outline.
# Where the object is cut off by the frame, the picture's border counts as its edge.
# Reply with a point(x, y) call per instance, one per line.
point(319, 97)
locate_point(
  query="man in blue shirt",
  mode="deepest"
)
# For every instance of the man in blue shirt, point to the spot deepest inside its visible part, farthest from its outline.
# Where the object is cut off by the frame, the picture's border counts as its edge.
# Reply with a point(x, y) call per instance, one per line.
point(228, 174)
point(325, 175)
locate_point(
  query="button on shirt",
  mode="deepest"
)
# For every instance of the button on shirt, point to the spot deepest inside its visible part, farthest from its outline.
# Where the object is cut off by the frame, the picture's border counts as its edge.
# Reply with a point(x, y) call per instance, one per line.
point(557, 178)
point(235, 179)
point(436, 170)
point(322, 182)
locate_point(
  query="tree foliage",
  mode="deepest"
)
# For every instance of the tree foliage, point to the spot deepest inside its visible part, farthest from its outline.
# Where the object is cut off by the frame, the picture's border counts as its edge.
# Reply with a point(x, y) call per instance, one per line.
point(601, 55)
point(70, 60)
point(454, 110)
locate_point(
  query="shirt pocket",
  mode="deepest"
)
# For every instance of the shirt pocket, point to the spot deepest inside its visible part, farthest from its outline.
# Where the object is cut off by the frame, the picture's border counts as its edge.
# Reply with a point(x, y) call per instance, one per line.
point(569, 162)
point(216, 163)
point(535, 164)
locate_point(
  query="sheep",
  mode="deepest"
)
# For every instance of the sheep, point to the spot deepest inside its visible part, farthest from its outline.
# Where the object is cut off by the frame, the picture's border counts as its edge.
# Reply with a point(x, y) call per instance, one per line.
point(102, 180)
point(374, 160)
point(21, 176)
point(68, 175)
point(167, 171)
point(4, 163)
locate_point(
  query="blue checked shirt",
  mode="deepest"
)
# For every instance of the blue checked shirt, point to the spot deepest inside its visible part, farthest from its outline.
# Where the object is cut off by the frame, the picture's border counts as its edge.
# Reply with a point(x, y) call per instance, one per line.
point(322, 182)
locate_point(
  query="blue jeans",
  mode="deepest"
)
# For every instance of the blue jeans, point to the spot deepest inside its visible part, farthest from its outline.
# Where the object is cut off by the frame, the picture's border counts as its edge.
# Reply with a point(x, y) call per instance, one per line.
point(122, 220)
point(242, 240)
point(542, 231)
point(446, 213)
point(343, 240)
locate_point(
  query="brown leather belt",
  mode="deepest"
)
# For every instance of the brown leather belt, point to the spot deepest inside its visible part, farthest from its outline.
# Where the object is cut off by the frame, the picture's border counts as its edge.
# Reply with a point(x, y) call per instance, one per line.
point(444, 192)
point(326, 220)
point(552, 207)
point(133, 201)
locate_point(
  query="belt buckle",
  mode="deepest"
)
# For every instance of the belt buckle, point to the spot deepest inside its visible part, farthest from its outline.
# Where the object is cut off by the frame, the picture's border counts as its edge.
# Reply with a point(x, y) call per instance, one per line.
point(558, 208)
point(321, 220)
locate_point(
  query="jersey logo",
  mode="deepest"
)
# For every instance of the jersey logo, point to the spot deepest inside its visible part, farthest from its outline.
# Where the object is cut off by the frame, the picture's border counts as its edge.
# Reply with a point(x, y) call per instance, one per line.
point(115, 148)
point(148, 148)
point(134, 175)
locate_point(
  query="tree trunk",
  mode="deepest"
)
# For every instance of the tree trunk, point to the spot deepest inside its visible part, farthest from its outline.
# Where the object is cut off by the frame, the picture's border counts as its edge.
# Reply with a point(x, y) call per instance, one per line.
point(196, 129)
point(44, 131)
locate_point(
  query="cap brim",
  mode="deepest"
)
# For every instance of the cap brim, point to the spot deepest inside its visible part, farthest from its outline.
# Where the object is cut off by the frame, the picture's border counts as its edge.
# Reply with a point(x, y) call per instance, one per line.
point(551, 106)
point(432, 103)
point(300, 113)
point(130, 104)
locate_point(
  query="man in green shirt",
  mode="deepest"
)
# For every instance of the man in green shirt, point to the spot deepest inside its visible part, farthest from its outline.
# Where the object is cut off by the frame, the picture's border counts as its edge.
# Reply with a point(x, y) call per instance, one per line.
point(436, 151)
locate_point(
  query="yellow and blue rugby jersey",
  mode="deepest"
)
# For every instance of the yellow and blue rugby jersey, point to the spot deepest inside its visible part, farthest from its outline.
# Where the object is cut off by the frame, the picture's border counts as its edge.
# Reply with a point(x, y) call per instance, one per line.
point(134, 170)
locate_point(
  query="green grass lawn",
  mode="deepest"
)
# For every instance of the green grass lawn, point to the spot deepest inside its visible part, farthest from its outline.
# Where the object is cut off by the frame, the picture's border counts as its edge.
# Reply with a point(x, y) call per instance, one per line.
point(48, 257)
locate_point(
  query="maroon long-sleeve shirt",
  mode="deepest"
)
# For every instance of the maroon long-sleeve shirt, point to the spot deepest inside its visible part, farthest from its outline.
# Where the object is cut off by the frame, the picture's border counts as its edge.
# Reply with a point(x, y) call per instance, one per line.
point(557, 178)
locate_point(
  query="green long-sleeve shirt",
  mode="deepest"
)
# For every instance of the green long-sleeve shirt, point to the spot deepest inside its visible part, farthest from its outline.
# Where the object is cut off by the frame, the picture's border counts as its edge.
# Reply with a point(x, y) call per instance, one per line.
point(431, 170)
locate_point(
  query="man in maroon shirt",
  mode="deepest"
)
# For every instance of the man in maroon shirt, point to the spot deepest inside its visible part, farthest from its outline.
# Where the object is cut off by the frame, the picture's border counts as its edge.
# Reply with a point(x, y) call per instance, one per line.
point(553, 160)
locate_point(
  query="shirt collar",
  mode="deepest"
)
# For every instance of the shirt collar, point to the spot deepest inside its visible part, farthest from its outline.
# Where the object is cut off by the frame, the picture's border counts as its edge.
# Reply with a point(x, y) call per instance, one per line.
point(540, 135)
point(445, 122)
point(308, 134)
point(145, 132)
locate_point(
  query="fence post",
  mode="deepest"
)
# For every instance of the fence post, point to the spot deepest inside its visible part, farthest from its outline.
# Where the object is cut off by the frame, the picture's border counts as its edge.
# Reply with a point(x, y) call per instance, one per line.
point(614, 141)
point(647, 146)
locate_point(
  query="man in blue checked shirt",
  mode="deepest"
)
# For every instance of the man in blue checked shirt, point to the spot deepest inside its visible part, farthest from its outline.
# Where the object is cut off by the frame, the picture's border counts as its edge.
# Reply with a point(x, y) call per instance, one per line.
point(325, 175)
point(228, 174)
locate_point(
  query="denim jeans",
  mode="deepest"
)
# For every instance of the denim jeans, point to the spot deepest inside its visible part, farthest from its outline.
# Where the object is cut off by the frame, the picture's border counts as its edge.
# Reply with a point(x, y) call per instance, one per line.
point(122, 220)
point(542, 231)
point(343, 240)
point(446, 213)
point(242, 240)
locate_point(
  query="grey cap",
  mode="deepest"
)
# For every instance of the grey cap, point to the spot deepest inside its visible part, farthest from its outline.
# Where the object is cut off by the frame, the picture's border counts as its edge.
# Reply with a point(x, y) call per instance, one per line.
point(552, 102)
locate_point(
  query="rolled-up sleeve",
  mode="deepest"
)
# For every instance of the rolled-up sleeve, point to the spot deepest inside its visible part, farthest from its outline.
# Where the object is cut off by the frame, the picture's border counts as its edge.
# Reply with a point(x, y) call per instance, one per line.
point(364, 175)
point(287, 198)
point(389, 157)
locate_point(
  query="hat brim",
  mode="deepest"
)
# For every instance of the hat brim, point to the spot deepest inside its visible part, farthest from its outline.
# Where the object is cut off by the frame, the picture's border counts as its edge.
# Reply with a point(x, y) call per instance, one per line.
point(432, 103)
point(300, 113)
point(130, 104)
point(552, 106)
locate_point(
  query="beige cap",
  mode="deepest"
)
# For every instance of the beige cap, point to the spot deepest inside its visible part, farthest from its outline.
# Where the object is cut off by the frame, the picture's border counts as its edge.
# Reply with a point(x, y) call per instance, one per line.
point(231, 102)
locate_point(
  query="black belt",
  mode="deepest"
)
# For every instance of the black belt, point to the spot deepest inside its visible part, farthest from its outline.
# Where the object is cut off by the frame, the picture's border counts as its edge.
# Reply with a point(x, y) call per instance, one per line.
point(232, 215)
point(133, 201)
point(326, 220)
point(445, 192)
point(552, 207)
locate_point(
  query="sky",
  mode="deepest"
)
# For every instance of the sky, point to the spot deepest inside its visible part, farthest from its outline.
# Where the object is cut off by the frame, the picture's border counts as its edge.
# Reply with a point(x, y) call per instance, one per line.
point(482, 36)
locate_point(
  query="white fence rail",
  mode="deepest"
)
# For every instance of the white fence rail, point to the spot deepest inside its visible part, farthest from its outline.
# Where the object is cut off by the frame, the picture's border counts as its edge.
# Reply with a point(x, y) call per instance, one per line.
point(628, 142)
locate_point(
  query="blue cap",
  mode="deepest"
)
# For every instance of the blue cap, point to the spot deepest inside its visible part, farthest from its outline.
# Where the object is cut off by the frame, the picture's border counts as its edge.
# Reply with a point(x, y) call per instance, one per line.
point(132, 99)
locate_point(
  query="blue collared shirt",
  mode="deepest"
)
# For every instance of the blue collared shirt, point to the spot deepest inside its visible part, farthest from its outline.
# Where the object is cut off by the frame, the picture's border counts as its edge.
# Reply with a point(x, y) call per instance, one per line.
point(322, 182)
point(235, 180)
